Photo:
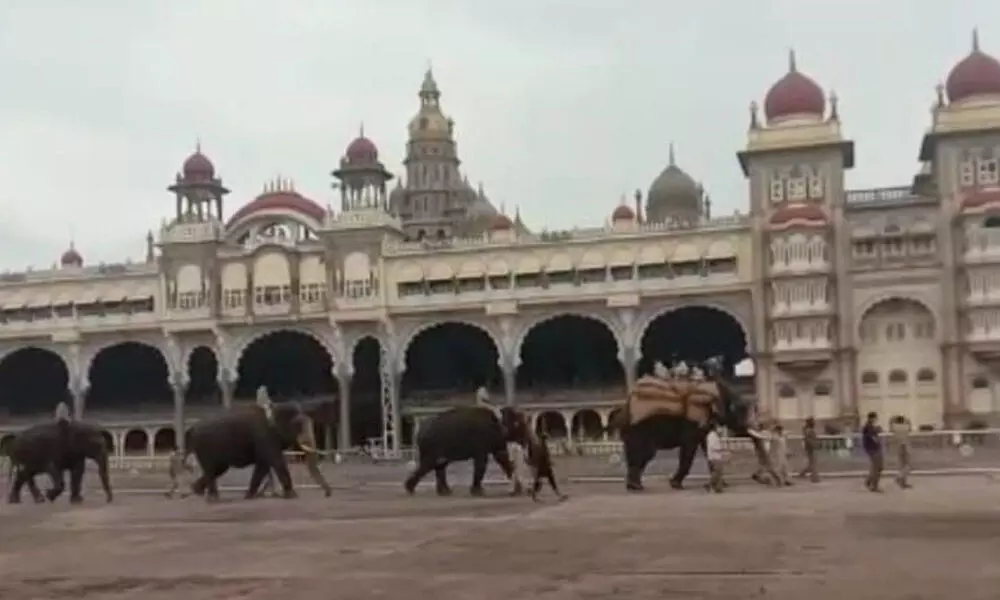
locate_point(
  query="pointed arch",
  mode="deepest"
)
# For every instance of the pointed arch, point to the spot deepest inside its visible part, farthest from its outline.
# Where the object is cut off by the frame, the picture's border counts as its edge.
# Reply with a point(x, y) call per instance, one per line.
point(526, 330)
point(404, 347)
point(248, 339)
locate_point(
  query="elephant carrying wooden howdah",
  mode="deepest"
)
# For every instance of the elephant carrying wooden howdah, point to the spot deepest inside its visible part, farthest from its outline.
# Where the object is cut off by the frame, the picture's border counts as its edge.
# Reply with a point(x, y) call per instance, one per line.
point(243, 436)
point(54, 448)
point(467, 433)
point(671, 409)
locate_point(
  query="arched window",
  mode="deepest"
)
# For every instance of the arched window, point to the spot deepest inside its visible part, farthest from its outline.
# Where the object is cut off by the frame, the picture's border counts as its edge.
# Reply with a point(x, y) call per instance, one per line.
point(822, 388)
point(897, 376)
point(926, 375)
point(786, 391)
point(980, 382)
point(869, 378)
point(992, 222)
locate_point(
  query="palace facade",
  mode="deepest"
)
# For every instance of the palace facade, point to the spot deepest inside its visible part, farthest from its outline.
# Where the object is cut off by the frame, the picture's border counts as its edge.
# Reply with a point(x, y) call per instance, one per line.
point(845, 301)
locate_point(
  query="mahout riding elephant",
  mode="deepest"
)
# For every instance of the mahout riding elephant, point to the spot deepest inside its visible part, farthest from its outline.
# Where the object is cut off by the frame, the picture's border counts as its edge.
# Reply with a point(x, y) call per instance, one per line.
point(643, 435)
point(245, 436)
point(54, 448)
point(466, 433)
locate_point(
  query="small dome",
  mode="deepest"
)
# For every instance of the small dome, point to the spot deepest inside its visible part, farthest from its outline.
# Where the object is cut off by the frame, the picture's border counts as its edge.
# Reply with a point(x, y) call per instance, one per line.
point(71, 258)
point(280, 198)
point(673, 194)
point(978, 74)
point(362, 150)
point(799, 213)
point(501, 222)
point(198, 167)
point(794, 94)
point(623, 212)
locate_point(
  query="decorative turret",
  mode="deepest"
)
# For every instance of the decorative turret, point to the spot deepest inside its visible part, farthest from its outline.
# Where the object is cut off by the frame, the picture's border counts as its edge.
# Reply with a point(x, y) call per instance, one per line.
point(71, 258)
point(198, 190)
point(362, 179)
point(623, 218)
point(673, 195)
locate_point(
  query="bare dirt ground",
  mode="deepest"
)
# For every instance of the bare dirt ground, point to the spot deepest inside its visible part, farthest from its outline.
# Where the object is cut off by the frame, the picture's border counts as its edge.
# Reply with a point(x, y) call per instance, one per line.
point(825, 541)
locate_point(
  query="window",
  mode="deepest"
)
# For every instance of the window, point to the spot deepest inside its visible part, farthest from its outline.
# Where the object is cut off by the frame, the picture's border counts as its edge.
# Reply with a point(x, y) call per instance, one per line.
point(777, 190)
point(822, 388)
point(897, 376)
point(980, 382)
point(233, 298)
point(786, 391)
point(987, 172)
point(311, 293)
point(797, 188)
point(869, 378)
point(926, 375)
point(815, 186)
point(967, 173)
point(992, 222)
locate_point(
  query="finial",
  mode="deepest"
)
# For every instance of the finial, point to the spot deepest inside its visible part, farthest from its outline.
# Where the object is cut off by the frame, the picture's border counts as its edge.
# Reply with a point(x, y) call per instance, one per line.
point(834, 113)
point(672, 161)
point(623, 199)
point(975, 39)
point(361, 130)
point(197, 144)
point(754, 122)
point(939, 89)
point(791, 60)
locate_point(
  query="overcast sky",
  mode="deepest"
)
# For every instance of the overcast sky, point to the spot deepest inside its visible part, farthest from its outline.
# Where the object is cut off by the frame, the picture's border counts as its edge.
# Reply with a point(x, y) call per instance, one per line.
point(560, 105)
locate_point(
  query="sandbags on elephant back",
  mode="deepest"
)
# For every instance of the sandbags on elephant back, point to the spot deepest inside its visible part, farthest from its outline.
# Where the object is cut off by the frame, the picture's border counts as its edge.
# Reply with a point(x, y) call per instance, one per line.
point(671, 397)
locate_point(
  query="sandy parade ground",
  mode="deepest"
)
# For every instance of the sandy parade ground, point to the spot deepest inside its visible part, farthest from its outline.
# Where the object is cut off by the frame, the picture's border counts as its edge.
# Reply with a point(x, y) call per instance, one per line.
point(822, 541)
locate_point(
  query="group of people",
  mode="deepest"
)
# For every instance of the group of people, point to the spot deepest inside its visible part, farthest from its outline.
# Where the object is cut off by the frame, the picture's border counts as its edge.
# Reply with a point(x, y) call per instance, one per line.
point(771, 449)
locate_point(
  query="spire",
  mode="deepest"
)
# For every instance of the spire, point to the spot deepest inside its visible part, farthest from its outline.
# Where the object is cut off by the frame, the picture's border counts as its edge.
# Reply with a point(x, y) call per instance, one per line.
point(429, 87)
point(197, 145)
point(672, 161)
point(361, 130)
point(791, 61)
point(975, 39)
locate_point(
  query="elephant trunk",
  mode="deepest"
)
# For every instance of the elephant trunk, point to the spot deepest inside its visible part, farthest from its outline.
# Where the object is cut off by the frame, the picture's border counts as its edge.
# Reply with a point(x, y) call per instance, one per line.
point(102, 471)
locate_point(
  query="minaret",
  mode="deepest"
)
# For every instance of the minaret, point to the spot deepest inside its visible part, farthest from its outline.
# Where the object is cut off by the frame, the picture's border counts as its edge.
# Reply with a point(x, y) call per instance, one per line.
point(199, 192)
point(362, 179)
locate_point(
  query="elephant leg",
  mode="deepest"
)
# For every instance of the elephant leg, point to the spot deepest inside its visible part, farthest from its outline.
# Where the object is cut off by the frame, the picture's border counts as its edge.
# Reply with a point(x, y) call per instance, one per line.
point(212, 482)
point(58, 483)
point(510, 468)
point(478, 472)
point(280, 468)
point(441, 479)
point(76, 482)
point(260, 471)
point(684, 461)
point(424, 466)
point(36, 493)
point(639, 451)
point(20, 479)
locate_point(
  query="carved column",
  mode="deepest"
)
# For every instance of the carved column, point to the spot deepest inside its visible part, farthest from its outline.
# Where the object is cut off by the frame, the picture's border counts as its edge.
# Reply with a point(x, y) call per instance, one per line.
point(179, 385)
point(78, 394)
point(226, 384)
point(509, 360)
point(628, 356)
point(509, 383)
point(226, 375)
point(249, 300)
point(79, 382)
point(296, 279)
point(628, 351)
point(343, 376)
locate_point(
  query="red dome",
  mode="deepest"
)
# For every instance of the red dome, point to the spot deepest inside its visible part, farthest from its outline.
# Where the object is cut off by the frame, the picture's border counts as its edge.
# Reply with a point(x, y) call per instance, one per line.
point(980, 200)
point(799, 213)
point(977, 74)
point(362, 149)
point(501, 222)
point(794, 94)
point(71, 258)
point(623, 212)
point(198, 167)
point(281, 200)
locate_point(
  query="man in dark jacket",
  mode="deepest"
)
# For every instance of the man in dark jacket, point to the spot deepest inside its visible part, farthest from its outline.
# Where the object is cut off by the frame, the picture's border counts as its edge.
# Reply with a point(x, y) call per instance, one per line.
point(872, 444)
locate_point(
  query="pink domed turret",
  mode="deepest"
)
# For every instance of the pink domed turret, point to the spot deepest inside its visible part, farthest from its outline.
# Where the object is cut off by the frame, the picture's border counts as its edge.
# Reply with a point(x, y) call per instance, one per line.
point(978, 74)
point(198, 167)
point(501, 222)
point(794, 95)
point(361, 150)
point(71, 258)
point(623, 212)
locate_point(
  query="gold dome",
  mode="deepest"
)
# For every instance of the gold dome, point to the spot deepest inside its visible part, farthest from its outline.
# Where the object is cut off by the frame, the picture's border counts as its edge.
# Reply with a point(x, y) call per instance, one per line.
point(430, 123)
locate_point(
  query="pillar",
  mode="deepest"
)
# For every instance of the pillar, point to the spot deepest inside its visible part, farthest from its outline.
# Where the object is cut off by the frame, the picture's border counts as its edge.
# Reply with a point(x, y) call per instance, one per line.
point(629, 358)
point(179, 387)
point(226, 384)
point(509, 369)
point(343, 410)
point(78, 395)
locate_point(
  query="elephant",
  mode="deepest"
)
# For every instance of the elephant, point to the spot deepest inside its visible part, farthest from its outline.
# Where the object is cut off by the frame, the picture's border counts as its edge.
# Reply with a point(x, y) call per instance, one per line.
point(48, 448)
point(244, 436)
point(467, 433)
point(644, 437)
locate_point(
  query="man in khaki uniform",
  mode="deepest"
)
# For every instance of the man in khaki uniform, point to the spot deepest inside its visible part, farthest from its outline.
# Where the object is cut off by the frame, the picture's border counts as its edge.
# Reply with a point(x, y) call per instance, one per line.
point(179, 467)
point(901, 428)
point(306, 443)
point(810, 444)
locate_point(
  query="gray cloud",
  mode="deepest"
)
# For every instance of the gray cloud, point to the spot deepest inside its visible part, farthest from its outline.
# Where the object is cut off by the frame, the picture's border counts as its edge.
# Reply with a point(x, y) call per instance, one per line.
point(560, 106)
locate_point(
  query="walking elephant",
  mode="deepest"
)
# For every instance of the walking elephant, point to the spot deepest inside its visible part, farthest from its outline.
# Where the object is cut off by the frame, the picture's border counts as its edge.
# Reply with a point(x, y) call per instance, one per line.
point(645, 433)
point(54, 448)
point(466, 433)
point(245, 436)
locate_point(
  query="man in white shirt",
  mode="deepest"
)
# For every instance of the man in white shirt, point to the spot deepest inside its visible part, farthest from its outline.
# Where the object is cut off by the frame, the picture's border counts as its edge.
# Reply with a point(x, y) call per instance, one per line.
point(716, 455)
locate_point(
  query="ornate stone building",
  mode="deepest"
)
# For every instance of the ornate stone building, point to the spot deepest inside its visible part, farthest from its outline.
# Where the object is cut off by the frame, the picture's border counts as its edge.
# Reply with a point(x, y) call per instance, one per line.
point(414, 293)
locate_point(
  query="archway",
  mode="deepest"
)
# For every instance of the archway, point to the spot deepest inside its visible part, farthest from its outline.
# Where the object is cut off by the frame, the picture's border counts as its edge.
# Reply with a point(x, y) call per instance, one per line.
point(164, 441)
point(568, 351)
point(552, 424)
point(136, 442)
point(692, 334)
point(898, 339)
point(291, 364)
point(587, 425)
point(5, 443)
point(203, 378)
point(447, 362)
point(129, 377)
point(32, 382)
point(366, 391)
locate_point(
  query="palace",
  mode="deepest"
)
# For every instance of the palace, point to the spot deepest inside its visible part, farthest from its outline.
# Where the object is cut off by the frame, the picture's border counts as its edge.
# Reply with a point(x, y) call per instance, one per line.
point(417, 292)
